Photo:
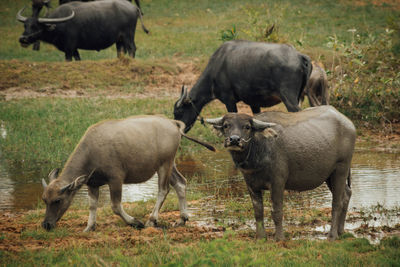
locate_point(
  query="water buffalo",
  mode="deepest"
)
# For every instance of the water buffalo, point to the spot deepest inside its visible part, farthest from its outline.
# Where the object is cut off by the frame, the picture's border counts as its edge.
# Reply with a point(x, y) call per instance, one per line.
point(61, 2)
point(259, 74)
point(317, 89)
point(118, 152)
point(295, 151)
point(85, 25)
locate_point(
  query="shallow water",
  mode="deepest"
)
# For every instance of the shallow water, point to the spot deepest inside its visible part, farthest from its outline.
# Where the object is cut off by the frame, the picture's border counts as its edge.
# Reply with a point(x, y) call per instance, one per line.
point(375, 180)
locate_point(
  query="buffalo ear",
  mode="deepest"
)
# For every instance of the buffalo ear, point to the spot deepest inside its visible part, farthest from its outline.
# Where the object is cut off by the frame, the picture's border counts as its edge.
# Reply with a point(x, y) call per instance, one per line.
point(54, 174)
point(76, 184)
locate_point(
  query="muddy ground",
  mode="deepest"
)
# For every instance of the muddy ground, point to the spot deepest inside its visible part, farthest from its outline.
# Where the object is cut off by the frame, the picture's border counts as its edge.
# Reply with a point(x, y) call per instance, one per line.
point(22, 231)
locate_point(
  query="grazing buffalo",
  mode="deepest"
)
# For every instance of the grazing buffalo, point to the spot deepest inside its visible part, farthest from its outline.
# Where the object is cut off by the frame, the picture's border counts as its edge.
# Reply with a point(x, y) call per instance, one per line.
point(259, 74)
point(85, 25)
point(118, 152)
point(61, 2)
point(295, 151)
point(317, 89)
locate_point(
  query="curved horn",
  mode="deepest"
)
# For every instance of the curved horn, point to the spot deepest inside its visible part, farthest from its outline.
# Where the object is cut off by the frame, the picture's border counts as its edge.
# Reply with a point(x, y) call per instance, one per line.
point(19, 15)
point(57, 20)
point(216, 121)
point(261, 125)
point(184, 95)
point(44, 183)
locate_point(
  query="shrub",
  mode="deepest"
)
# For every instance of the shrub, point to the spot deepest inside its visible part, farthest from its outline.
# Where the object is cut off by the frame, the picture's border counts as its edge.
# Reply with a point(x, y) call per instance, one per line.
point(365, 83)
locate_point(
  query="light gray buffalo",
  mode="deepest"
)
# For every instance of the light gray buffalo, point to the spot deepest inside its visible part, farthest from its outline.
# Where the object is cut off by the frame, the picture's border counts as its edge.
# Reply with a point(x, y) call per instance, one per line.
point(118, 152)
point(295, 151)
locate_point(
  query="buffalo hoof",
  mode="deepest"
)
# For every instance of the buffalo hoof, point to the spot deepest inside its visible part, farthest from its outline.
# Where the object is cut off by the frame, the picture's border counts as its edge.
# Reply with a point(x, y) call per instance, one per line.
point(180, 222)
point(137, 224)
point(151, 223)
point(90, 228)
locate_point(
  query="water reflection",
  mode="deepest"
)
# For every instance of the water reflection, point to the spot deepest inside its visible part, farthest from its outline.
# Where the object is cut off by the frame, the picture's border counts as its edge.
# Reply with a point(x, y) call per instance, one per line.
point(375, 179)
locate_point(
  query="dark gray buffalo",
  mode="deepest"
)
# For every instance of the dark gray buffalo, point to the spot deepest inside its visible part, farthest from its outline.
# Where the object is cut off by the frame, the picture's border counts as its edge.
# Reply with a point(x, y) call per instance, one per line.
point(317, 89)
point(295, 151)
point(119, 152)
point(91, 26)
point(259, 74)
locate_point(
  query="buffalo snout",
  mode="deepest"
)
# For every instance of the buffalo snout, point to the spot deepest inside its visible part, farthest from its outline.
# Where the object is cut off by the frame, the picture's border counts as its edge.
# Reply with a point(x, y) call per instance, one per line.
point(234, 140)
point(23, 40)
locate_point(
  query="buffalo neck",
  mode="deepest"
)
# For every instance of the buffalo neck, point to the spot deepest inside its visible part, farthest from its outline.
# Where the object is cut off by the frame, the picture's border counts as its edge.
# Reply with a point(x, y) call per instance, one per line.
point(76, 165)
point(201, 93)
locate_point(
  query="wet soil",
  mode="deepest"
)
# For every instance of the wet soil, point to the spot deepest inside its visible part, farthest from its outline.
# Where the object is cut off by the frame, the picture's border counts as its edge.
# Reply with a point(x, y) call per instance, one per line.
point(22, 231)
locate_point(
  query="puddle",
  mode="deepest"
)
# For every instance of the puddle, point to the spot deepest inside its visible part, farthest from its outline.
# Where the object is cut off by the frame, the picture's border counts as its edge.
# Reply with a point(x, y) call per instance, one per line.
point(375, 183)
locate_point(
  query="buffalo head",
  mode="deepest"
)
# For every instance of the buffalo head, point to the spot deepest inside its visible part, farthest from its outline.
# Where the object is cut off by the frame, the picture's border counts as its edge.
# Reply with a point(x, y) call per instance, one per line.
point(58, 197)
point(238, 129)
point(35, 26)
point(185, 110)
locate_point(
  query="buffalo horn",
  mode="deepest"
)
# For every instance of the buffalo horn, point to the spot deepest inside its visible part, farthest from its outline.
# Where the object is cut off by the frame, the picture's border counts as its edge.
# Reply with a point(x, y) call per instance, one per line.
point(184, 95)
point(44, 183)
point(257, 124)
point(19, 15)
point(56, 20)
point(216, 121)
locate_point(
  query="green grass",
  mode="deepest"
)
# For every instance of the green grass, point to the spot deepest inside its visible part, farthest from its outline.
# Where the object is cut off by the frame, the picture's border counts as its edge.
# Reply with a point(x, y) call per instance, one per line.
point(46, 130)
point(228, 251)
point(192, 28)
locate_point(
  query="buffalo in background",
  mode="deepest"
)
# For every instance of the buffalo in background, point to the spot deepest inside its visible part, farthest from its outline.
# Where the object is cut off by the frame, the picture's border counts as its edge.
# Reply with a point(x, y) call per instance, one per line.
point(317, 89)
point(77, 25)
point(259, 74)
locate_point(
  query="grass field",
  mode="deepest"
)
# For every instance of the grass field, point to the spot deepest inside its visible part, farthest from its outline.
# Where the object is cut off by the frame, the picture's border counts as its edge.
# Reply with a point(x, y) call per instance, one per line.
point(46, 105)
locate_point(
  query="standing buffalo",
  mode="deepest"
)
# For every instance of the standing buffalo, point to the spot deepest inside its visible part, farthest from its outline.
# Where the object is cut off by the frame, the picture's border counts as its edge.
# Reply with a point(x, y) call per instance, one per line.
point(317, 89)
point(80, 25)
point(259, 74)
point(294, 151)
point(118, 152)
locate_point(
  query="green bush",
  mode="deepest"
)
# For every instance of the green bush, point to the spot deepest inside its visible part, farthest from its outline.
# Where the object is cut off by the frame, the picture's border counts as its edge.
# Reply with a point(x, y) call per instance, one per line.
point(365, 83)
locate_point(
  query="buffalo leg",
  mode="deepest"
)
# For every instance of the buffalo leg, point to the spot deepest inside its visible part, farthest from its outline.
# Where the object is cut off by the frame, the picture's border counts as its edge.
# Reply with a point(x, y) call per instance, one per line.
point(231, 107)
point(257, 200)
point(120, 47)
point(93, 201)
point(116, 195)
point(77, 57)
point(163, 188)
point(255, 109)
point(277, 192)
point(346, 200)
point(337, 182)
point(68, 56)
point(292, 105)
point(179, 184)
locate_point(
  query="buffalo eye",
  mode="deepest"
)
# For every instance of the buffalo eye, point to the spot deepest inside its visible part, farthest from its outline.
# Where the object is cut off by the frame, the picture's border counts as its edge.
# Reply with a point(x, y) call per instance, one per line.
point(247, 127)
point(226, 126)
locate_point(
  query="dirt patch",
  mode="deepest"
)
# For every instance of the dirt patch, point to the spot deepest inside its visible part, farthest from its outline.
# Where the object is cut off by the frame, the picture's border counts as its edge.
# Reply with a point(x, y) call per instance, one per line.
point(22, 231)
point(389, 4)
point(117, 78)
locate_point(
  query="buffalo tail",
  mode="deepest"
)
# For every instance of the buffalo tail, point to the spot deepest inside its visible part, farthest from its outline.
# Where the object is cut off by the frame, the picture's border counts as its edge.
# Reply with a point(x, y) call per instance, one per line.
point(182, 126)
